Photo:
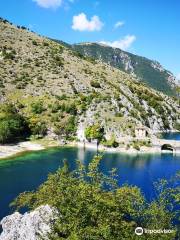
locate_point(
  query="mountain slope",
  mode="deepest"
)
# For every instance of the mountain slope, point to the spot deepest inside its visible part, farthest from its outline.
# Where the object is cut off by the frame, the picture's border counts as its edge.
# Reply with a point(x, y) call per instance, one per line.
point(60, 92)
point(148, 71)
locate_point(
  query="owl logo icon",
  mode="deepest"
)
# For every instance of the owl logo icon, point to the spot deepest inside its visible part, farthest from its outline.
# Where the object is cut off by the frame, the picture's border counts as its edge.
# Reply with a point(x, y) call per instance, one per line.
point(139, 231)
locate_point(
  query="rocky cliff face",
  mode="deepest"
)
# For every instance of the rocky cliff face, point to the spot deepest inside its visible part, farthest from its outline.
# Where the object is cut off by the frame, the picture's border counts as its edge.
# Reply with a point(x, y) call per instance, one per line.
point(29, 226)
point(148, 71)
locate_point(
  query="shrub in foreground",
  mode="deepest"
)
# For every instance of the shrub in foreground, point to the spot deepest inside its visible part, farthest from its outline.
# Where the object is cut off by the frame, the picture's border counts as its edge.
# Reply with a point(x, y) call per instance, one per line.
point(92, 207)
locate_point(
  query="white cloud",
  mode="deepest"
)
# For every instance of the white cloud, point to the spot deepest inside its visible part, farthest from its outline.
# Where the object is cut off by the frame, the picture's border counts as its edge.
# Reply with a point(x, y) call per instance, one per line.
point(123, 43)
point(81, 23)
point(119, 24)
point(49, 3)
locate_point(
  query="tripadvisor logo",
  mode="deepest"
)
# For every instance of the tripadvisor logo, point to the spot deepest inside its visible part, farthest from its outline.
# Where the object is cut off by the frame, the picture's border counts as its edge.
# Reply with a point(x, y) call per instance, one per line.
point(139, 231)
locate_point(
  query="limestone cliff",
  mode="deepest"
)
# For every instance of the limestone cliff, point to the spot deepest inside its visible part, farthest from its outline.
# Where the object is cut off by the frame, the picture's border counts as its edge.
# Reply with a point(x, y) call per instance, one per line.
point(29, 226)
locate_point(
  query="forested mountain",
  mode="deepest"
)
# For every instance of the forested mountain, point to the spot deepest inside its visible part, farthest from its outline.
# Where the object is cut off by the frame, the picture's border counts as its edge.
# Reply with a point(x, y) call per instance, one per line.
point(147, 71)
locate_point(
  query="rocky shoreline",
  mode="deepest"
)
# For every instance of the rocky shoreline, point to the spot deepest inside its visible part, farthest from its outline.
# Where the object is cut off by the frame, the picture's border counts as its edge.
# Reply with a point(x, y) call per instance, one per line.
point(12, 150)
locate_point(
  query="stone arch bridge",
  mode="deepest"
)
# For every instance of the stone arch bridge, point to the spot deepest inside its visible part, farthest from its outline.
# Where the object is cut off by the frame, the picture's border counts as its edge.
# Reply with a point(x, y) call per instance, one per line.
point(166, 144)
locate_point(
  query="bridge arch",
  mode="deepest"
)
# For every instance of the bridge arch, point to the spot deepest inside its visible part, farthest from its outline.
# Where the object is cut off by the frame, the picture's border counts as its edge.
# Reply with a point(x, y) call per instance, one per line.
point(167, 147)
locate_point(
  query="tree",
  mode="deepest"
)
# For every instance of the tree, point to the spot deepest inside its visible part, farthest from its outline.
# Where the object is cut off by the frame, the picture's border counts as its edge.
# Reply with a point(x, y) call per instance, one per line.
point(66, 127)
point(95, 84)
point(37, 126)
point(12, 124)
point(88, 210)
point(111, 142)
point(95, 132)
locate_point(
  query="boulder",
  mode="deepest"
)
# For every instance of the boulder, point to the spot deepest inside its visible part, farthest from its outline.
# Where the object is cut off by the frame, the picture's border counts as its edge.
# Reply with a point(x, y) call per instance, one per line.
point(32, 225)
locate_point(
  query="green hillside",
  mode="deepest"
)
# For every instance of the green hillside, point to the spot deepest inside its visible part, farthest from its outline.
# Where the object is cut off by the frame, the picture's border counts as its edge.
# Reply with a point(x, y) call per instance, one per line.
point(58, 92)
point(147, 71)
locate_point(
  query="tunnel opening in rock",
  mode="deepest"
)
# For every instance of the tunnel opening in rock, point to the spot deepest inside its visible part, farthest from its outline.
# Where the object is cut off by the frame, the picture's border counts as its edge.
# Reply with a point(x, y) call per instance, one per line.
point(167, 147)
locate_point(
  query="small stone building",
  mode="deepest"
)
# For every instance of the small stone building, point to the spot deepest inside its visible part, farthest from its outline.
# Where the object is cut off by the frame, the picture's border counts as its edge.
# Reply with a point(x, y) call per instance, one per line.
point(141, 132)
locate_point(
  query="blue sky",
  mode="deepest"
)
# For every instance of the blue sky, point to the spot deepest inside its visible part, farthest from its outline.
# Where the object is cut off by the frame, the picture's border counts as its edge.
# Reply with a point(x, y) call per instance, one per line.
point(147, 28)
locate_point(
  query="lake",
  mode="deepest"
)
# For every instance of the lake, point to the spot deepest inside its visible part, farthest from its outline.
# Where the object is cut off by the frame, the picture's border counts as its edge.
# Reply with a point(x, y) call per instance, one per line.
point(171, 135)
point(28, 171)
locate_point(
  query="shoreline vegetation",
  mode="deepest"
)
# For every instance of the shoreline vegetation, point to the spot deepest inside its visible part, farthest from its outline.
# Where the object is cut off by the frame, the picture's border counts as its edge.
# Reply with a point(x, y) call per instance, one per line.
point(99, 208)
point(12, 150)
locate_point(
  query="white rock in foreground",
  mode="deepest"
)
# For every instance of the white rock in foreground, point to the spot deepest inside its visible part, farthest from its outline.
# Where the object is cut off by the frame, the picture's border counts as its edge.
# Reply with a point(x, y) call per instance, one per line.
point(28, 226)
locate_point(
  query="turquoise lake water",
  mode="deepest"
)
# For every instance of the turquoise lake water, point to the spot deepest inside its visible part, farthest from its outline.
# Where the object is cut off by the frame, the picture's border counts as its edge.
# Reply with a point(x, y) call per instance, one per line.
point(28, 171)
point(171, 136)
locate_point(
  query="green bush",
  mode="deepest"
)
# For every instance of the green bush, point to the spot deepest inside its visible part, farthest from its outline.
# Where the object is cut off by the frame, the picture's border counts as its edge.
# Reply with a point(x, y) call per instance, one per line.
point(45, 44)
point(66, 127)
point(37, 126)
point(34, 43)
point(166, 123)
point(39, 129)
point(71, 109)
point(9, 54)
point(12, 124)
point(111, 143)
point(86, 211)
point(59, 61)
point(55, 107)
point(119, 114)
point(177, 126)
point(138, 144)
point(2, 84)
point(62, 97)
point(94, 132)
point(95, 84)
point(37, 107)
point(71, 128)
